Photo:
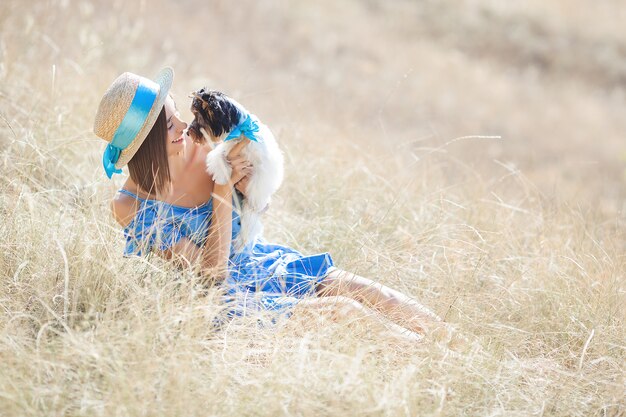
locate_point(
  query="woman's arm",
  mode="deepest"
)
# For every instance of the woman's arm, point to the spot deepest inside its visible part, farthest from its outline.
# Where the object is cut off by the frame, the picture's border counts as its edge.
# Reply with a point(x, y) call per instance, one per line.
point(216, 251)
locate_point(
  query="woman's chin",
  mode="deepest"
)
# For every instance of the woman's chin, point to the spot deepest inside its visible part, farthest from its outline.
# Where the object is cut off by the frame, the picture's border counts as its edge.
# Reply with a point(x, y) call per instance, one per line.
point(176, 148)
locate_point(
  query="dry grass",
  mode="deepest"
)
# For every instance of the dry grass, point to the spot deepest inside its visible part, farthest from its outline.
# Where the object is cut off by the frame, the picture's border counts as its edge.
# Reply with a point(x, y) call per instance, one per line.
point(520, 242)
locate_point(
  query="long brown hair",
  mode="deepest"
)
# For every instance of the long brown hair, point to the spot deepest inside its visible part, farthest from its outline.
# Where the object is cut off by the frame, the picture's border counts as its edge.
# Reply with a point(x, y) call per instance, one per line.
point(149, 168)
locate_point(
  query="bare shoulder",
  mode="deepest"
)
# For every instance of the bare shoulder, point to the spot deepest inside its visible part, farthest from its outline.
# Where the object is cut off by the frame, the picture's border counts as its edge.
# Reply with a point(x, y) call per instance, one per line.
point(123, 206)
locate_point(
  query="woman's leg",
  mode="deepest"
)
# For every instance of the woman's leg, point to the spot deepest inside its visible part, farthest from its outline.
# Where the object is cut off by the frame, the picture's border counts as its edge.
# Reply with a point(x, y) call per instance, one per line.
point(396, 306)
point(340, 309)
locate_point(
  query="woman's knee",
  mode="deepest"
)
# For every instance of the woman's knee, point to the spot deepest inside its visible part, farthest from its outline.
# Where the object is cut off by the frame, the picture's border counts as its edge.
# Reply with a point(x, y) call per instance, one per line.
point(339, 282)
point(343, 283)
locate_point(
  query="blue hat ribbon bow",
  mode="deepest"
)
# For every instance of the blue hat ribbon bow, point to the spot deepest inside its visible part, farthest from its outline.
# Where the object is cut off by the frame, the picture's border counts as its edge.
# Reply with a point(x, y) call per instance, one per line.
point(145, 95)
point(110, 157)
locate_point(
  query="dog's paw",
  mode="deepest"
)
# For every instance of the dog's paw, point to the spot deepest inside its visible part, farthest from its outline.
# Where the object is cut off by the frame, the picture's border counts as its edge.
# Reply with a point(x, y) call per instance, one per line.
point(218, 167)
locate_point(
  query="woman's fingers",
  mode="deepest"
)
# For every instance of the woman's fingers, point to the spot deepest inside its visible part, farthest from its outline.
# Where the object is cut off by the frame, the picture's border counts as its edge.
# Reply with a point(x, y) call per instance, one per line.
point(236, 159)
point(243, 165)
point(240, 162)
point(240, 170)
point(240, 165)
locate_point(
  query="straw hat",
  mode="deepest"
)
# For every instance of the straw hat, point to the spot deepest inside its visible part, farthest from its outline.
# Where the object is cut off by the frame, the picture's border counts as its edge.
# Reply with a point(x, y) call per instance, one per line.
point(127, 112)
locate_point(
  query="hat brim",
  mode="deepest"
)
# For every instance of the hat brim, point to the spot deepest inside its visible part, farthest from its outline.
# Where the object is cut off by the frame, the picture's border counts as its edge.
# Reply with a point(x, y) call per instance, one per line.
point(164, 79)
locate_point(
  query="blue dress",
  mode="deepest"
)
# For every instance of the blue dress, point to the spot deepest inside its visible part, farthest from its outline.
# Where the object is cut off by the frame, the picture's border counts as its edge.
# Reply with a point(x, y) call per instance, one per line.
point(264, 276)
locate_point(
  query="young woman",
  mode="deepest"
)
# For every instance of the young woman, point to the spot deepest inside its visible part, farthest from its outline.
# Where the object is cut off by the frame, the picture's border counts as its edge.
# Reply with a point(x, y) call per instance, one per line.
point(171, 207)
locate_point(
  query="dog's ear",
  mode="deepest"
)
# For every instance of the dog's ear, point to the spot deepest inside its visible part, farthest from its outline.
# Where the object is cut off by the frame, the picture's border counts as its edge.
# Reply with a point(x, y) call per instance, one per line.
point(201, 96)
point(195, 95)
point(204, 97)
point(198, 103)
point(207, 97)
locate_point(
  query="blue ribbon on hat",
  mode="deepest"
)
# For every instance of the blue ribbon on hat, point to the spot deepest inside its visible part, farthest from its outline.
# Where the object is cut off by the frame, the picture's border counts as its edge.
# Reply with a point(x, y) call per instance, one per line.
point(249, 127)
point(147, 91)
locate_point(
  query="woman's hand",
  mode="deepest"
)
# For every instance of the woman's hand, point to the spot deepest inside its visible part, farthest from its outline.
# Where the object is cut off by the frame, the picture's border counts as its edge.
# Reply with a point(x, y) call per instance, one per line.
point(241, 167)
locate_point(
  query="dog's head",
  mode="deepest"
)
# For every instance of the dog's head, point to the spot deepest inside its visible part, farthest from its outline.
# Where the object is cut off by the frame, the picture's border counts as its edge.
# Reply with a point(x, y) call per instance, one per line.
point(215, 114)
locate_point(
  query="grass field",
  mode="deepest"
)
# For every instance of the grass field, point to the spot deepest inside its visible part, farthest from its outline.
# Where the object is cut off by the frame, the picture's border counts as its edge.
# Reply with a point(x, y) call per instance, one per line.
point(389, 115)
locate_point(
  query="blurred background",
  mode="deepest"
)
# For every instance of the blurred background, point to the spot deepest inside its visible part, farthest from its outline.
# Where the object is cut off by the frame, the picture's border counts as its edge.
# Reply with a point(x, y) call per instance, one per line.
point(406, 77)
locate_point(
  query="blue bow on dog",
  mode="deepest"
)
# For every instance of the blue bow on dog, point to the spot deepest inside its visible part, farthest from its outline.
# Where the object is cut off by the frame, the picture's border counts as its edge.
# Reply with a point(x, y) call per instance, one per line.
point(249, 128)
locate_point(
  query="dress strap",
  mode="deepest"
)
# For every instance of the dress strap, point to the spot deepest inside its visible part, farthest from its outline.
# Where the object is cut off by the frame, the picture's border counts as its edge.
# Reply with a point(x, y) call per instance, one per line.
point(135, 196)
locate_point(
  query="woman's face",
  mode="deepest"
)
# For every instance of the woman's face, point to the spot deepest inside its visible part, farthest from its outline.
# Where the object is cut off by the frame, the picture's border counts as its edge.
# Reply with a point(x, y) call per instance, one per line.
point(175, 128)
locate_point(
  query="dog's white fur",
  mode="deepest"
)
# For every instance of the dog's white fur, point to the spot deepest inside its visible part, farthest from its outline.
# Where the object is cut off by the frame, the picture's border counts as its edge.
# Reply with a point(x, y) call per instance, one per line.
point(267, 176)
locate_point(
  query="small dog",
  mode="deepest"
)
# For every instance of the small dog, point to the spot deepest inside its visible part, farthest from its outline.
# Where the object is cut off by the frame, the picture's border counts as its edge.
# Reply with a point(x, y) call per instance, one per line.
point(223, 122)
